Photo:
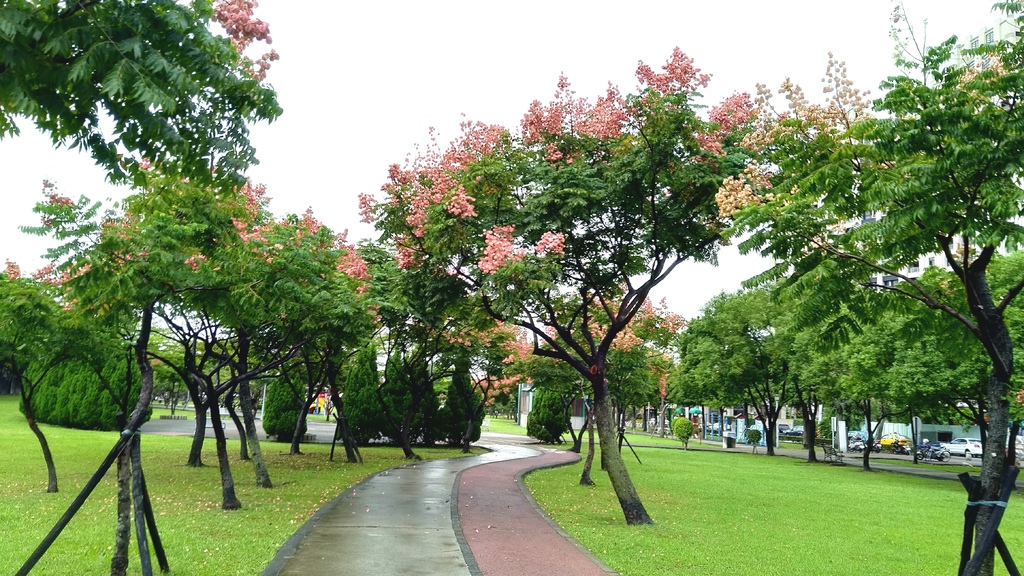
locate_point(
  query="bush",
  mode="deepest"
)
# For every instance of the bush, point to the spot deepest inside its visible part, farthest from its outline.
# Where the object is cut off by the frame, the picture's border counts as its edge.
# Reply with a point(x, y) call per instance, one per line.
point(682, 429)
point(453, 417)
point(546, 421)
point(280, 411)
point(366, 421)
point(753, 436)
point(71, 395)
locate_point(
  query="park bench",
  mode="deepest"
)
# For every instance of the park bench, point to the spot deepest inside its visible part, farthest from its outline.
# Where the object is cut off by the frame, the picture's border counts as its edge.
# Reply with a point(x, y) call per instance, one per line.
point(832, 455)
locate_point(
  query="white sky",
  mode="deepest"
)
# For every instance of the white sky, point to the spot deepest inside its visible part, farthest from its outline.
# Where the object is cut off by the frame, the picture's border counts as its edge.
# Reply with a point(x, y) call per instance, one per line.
point(362, 82)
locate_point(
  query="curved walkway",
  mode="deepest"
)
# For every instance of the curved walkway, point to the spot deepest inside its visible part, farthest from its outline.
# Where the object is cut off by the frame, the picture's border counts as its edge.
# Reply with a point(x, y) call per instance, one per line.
point(465, 516)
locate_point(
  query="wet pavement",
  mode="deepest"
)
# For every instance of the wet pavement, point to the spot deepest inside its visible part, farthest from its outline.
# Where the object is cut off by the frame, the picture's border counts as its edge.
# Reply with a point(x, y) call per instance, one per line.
point(464, 516)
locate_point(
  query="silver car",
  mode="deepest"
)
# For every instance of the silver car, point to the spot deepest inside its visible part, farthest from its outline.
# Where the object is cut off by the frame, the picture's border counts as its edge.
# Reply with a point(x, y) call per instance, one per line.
point(964, 447)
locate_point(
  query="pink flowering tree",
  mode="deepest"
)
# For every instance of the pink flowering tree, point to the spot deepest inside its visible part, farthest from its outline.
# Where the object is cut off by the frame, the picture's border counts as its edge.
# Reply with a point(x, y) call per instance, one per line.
point(567, 223)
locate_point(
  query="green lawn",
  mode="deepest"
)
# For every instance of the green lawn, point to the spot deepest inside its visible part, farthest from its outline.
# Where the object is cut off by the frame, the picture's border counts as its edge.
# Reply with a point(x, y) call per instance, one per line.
point(199, 537)
point(729, 513)
point(504, 426)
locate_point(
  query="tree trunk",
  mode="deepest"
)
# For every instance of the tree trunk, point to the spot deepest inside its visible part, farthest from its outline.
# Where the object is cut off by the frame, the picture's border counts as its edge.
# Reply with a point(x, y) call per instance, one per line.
point(229, 404)
point(122, 534)
point(585, 477)
point(577, 441)
point(195, 453)
point(229, 500)
point(352, 454)
point(473, 411)
point(249, 418)
point(51, 469)
point(629, 500)
point(810, 433)
point(300, 425)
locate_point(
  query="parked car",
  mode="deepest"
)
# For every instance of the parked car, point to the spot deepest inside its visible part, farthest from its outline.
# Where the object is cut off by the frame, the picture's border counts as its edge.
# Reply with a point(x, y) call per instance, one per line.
point(964, 446)
point(891, 438)
point(796, 431)
point(784, 430)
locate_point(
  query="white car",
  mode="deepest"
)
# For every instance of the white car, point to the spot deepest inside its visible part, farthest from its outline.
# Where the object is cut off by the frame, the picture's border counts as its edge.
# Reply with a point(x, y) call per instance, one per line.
point(964, 447)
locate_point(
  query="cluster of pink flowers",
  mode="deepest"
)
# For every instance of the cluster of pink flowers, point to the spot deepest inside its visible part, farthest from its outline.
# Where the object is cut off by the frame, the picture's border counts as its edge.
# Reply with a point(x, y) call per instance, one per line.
point(48, 275)
point(12, 270)
point(255, 197)
point(367, 205)
point(432, 178)
point(553, 153)
point(499, 250)
point(680, 75)
point(606, 118)
point(551, 243)
point(238, 19)
point(52, 197)
point(522, 347)
point(460, 204)
point(567, 113)
point(194, 260)
point(734, 111)
point(407, 256)
point(247, 232)
point(350, 263)
point(309, 223)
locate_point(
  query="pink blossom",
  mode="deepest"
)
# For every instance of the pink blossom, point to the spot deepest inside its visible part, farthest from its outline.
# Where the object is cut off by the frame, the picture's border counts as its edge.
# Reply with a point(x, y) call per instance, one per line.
point(732, 112)
point(498, 250)
point(407, 257)
point(351, 263)
point(12, 270)
point(680, 75)
point(551, 242)
point(310, 223)
point(367, 204)
point(255, 197)
point(194, 260)
point(461, 204)
point(237, 18)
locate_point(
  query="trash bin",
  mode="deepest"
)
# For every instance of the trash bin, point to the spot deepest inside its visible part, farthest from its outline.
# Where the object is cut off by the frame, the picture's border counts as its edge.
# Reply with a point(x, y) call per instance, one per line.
point(729, 441)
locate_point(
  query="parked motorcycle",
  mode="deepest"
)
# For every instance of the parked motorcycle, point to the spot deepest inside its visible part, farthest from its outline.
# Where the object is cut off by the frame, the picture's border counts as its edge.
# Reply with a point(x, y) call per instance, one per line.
point(876, 447)
point(933, 453)
point(857, 446)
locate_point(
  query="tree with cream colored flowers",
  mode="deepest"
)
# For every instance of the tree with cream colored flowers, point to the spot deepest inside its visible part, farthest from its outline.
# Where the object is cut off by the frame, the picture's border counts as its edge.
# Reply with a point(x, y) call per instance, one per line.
point(939, 170)
point(568, 222)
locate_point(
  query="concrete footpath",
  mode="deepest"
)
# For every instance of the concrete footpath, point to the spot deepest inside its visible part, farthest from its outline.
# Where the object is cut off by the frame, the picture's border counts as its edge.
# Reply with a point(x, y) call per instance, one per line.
point(465, 516)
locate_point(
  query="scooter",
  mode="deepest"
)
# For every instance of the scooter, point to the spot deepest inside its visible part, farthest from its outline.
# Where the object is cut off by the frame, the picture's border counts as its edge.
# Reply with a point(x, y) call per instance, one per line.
point(876, 447)
point(898, 448)
point(857, 446)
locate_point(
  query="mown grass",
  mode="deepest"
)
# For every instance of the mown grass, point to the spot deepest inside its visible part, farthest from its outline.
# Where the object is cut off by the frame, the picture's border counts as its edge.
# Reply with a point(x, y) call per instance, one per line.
point(199, 537)
point(505, 426)
point(730, 513)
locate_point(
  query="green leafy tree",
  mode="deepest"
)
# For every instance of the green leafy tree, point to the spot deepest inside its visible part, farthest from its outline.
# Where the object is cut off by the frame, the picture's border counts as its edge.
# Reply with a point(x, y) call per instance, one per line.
point(939, 172)
point(564, 227)
point(740, 345)
point(34, 340)
point(176, 93)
